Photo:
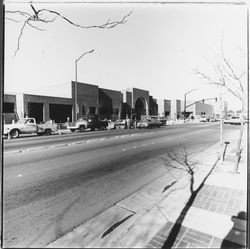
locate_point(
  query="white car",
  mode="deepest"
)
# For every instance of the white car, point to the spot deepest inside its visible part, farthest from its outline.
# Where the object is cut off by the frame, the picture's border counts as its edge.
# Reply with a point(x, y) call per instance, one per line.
point(235, 121)
point(227, 121)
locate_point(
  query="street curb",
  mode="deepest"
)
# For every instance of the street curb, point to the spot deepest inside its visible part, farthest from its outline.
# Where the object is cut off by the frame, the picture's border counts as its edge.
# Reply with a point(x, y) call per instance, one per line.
point(123, 230)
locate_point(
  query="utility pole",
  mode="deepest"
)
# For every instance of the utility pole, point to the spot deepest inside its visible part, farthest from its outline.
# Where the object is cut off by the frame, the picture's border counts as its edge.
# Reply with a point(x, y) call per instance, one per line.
point(76, 105)
point(221, 122)
point(185, 101)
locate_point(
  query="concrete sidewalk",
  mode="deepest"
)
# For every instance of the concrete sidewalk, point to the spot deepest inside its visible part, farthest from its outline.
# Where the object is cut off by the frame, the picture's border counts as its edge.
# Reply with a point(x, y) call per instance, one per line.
point(213, 217)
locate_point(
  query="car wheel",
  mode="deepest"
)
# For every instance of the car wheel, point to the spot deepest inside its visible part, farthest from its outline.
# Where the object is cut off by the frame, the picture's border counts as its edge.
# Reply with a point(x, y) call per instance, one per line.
point(47, 132)
point(14, 133)
point(82, 128)
point(72, 130)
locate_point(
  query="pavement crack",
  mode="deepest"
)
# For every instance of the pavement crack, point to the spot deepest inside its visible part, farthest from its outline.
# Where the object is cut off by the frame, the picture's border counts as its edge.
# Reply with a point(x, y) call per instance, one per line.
point(109, 230)
point(126, 209)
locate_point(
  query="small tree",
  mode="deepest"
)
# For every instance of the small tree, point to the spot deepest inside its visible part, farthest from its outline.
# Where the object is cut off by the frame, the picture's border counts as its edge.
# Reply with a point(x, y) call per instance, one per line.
point(231, 79)
point(46, 16)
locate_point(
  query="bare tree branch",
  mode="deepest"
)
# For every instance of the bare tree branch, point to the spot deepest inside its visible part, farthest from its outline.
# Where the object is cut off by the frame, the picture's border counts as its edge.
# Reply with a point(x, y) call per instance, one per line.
point(35, 27)
point(232, 74)
point(221, 82)
point(10, 19)
point(20, 35)
point(37, 16)
point(18, 12)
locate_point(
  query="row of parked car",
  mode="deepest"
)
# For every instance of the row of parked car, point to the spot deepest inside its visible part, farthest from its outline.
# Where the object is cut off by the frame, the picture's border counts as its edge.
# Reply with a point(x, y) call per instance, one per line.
point(30, 126)
point(233, 120)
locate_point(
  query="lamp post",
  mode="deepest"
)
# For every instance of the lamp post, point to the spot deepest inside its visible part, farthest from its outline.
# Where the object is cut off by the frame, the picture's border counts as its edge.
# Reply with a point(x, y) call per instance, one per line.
point(185, 101)
point(88, 52)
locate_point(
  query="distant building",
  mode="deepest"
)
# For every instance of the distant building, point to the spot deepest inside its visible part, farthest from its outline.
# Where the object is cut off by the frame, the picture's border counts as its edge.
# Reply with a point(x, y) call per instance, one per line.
point(217, 109)
point(164, 107)
point(200, 108)
point(175, 109)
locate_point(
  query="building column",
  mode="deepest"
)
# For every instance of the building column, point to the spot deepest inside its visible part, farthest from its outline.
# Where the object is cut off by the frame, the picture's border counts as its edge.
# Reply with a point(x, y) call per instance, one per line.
point(147, 108)
point(20, 105)
point(46, 112)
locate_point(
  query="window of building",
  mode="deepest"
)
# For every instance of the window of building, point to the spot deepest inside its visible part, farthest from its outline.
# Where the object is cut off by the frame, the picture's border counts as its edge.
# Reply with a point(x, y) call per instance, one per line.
point(92, 110)
point(115, 110)
point(8, 107)
point(83, 110)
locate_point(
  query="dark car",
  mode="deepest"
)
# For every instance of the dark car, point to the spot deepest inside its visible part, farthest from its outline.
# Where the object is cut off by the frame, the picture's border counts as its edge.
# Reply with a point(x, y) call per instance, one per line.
point(93, 122)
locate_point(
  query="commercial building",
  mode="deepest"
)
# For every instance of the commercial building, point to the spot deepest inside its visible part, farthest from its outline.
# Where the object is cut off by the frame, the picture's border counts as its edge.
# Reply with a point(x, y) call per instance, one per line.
point(110, 104)
point(164, 107)
point(131, 103)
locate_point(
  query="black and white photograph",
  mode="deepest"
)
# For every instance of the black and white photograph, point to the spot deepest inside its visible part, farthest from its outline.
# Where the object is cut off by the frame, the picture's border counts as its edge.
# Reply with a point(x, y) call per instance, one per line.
point(124, 124)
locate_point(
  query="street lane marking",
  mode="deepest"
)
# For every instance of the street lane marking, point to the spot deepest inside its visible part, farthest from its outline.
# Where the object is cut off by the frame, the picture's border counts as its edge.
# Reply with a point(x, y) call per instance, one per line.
point(123, 149)
point(134, 147)
point(19, 175)
point(94, 140)
point(81, 142)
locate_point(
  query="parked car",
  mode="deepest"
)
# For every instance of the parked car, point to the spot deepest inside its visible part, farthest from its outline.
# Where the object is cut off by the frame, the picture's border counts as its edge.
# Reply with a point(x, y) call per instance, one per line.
point(212, 120)
point(80, 125)
point(157, 119)
point(149, 123)
point(227, 121)
point(91, 122)
point(120, 124)
point(94, 122)
point(29, 126)
point(204, 118)
point(111, 125)
point(236, 120)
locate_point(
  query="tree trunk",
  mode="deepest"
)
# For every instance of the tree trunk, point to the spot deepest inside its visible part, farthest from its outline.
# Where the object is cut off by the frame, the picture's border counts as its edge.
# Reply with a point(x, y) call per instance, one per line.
point(239, 149)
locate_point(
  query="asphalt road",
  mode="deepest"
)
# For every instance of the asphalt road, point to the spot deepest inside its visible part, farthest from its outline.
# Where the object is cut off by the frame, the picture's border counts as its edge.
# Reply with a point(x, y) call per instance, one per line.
point(56, 183)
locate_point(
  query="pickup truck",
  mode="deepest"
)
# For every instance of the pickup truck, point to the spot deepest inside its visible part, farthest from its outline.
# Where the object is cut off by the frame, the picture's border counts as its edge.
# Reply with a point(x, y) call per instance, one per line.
point(95, 123)
point(29, 126)
point(90, 122)
point(80, 125)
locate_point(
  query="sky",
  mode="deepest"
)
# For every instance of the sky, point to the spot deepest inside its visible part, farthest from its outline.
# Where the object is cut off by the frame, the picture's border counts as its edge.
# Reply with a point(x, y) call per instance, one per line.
point(157, 49)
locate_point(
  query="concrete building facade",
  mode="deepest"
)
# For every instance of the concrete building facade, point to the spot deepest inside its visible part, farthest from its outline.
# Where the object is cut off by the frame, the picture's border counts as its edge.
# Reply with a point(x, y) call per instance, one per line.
point(131, 103)
point(164, 107)
point(175, 110)
point(109, 104)
point(136, 104)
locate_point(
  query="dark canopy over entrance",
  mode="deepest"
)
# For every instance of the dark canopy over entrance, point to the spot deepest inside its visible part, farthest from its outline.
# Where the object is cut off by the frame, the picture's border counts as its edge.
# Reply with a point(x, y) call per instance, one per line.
point(60, 113)
point(140, 108)
point(35, 110)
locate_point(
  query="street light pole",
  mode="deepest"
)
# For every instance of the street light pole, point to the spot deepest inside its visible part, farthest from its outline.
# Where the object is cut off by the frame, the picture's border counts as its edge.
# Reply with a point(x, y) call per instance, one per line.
point(76, 107)
point(185, 101)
